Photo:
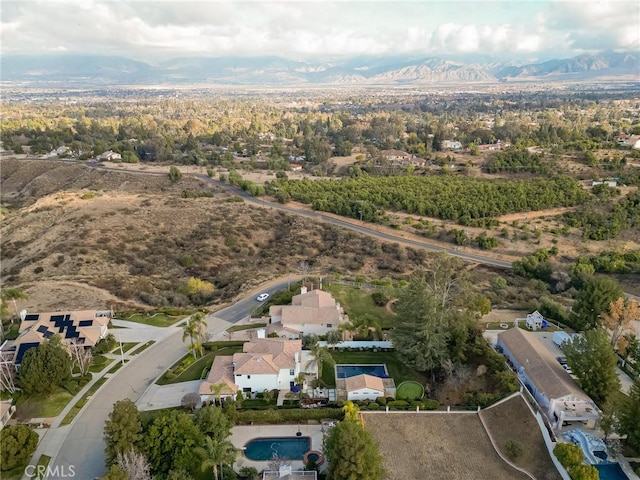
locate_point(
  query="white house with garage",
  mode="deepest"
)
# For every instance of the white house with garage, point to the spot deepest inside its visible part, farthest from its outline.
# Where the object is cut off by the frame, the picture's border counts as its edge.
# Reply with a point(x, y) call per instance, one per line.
point(311, 312)
point(263, 364)
point(557, 394)
point(363, 387)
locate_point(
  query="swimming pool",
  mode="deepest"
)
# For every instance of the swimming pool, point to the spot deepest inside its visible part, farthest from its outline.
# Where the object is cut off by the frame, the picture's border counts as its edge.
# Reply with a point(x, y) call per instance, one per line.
point(266, 448)
point(347, 371)
point(611, 471)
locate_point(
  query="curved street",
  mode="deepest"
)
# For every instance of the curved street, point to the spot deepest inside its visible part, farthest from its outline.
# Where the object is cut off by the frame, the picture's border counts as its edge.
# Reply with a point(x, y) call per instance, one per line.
point(80, 445)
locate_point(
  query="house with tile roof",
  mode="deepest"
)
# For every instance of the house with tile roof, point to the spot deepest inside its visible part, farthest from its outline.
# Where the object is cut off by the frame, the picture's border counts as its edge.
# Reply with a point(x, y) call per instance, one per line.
point(557, 394)
point(263, 364)
point(311, 312)
point(85, 327)
point(363, 387)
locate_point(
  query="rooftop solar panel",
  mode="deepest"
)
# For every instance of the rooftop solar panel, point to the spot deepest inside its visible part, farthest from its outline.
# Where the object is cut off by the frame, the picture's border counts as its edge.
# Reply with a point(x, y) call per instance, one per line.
point(23, 348)
point(85, 323)
point(42, 329)
point(32, 317)
point(48, 334)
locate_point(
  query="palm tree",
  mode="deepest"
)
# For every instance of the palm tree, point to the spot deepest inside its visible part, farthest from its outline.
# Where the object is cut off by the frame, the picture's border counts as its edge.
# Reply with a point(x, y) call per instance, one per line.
point(195, 329)
point(215, 454)
point(320, 357)
point(189, 331)
point(216, 389)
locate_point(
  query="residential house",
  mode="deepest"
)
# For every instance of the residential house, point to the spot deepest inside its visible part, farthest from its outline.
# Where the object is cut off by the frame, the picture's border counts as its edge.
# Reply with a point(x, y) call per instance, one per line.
point(488, 147)
point(310, 312)
point(608, 183)
point(535, 321)
point(296, 167)
point(363, 387)
point(263, 364)
point(451, 145)
point(628, 141)
point(396, 155)
point(558, 396)
point(86, 328)
point(109, 156)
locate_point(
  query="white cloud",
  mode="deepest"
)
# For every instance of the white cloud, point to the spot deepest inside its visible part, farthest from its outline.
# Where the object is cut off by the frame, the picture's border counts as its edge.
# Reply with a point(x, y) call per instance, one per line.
point(141, 28)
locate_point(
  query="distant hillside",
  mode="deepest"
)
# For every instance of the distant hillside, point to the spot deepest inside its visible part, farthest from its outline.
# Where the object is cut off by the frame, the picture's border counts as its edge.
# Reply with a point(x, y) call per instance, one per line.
point(100, 70)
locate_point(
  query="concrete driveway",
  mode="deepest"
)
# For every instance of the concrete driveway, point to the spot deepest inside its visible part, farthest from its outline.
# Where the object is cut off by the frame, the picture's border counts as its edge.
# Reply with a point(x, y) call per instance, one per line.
point(165, 396)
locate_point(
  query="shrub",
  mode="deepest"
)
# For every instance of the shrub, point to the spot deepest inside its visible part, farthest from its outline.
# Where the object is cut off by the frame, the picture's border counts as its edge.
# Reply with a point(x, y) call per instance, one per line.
point(429, 404)
point(381, 401)
point(373, 406)
point(584, 472)
point(105, 345)
point(514, 449)
point(379, 298)
point(287, 416)
point(18, 442)
point(568, 455)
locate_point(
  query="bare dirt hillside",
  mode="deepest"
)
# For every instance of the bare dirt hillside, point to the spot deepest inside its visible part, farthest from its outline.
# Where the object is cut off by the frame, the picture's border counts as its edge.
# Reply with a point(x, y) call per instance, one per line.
point(134, 240)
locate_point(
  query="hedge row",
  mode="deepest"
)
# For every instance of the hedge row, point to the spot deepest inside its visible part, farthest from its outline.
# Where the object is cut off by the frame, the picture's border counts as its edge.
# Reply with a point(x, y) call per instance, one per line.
point(245, 417)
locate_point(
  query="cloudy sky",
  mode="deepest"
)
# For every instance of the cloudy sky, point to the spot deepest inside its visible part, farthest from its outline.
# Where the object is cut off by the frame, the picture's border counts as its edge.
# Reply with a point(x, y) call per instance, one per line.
point(317, 29)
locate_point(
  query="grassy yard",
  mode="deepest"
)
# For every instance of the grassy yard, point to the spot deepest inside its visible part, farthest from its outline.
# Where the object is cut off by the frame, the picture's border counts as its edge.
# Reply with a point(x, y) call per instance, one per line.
point(194, 371)
point(156, 320)
point(395, 367)
point(99, 363)
point(359, 305)
point(237, 328)
point(40, 406)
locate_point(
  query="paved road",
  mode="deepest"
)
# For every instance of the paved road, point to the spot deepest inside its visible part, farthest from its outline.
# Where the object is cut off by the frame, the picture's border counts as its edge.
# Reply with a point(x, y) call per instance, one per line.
point(473, 257)
point(83, 446)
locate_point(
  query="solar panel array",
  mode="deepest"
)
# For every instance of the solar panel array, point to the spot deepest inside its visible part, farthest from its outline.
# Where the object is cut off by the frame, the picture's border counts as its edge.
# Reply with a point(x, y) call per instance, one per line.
point(85, 323)
point(32, 317)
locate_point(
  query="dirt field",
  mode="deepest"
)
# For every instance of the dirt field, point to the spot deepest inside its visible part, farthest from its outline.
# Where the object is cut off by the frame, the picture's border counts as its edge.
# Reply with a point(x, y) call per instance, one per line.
point(512, 420)
point(436, 446)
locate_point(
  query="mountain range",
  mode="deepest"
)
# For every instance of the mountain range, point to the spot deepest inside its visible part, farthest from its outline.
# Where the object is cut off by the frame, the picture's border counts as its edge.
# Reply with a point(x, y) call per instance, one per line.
point(87, 70)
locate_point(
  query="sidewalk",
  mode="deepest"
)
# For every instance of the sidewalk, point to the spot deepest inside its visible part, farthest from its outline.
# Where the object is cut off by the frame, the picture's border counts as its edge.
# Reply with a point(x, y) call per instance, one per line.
point(52, 438)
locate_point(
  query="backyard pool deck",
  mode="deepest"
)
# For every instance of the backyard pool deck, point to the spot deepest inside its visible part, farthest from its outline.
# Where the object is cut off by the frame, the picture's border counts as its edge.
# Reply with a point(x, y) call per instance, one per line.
point(242, 434)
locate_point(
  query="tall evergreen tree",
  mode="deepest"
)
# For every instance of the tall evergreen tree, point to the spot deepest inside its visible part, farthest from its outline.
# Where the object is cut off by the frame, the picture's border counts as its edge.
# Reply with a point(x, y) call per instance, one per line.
point(122, 430)
point(45, 367)
point(593, 361)
point(629, 421)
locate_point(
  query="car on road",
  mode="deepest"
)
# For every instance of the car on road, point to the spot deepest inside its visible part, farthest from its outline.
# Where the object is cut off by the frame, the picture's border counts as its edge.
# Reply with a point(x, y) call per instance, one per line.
point(262, 297)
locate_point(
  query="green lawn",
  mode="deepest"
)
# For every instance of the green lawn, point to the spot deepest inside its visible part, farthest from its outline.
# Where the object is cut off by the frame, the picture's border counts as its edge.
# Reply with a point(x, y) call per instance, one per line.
point(39, 406)
point(194, 371)
point(359, 305)
point(410, 391)
point(237, 328)
point(395, 367)
point(143, 347)
point(99, 363)
point(126, 347)
point(156, 320)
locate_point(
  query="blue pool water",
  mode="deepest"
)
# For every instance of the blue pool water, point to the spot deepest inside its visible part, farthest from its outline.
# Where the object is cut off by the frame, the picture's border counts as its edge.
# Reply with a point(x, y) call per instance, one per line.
point(346, 371)
point(264, 448)
point(610, 471)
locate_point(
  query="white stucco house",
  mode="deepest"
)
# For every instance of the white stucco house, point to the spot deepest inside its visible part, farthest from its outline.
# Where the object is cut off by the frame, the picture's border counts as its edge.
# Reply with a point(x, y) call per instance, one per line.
point(315, 312)
point(263, 364)
point(557, 394)
point(109, 155)
point(363, 387)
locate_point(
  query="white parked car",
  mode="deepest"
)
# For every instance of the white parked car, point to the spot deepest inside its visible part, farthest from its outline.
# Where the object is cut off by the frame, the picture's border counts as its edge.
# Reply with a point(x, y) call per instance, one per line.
point(262, 297)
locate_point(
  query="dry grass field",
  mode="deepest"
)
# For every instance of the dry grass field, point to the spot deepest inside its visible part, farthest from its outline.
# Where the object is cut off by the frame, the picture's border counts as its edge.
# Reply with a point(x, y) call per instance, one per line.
point(437, 446)
point(512, 420)
point(77, 237)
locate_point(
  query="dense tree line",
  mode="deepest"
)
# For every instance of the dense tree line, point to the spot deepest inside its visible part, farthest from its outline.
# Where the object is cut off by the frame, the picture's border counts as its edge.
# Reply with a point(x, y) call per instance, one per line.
point(445, 197)
point(605, 219)
point(517, 160)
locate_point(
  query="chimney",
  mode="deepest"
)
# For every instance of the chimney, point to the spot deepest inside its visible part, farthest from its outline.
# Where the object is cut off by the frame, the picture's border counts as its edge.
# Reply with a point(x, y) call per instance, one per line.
point(23, 315)
point(261, 333)
point(303, 290)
